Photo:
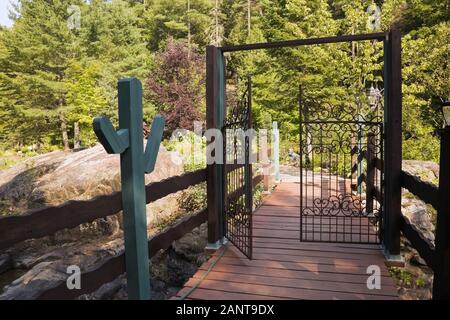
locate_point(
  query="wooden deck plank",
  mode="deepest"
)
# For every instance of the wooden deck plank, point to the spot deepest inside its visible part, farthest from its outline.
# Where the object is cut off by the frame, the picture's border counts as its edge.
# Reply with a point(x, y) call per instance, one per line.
point(208, 294)
point(282, 292)
point(388, 290)
point(283, 267)
point(369, 246)
point(360, 279)
point(311, 267)
point(301, 248)
point(337, 259)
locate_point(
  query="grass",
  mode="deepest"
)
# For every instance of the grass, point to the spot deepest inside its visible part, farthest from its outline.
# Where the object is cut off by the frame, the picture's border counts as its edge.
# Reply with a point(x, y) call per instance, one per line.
point(405, 278)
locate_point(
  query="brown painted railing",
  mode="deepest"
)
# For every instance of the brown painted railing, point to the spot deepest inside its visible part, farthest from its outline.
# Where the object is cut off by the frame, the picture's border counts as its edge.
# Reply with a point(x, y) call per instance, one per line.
point(46, 221)
point(114, 266)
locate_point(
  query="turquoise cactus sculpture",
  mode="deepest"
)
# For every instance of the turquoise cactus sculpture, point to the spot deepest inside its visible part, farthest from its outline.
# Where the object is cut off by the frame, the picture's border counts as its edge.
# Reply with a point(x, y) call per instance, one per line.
point(134, 162)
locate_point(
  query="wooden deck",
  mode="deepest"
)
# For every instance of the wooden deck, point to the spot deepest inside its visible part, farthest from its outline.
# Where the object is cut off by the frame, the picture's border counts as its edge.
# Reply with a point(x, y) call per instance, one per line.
point(285, 268)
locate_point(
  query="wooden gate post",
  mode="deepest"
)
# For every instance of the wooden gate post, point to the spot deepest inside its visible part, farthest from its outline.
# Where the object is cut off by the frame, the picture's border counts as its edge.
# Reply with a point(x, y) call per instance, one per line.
point(393, 145)
point(441, 281)
point(215, 114)
point(134, 162)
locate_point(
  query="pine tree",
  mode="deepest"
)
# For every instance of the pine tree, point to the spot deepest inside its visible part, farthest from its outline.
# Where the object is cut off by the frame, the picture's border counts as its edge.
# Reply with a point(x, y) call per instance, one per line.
point(38, 49)
point(166, 19)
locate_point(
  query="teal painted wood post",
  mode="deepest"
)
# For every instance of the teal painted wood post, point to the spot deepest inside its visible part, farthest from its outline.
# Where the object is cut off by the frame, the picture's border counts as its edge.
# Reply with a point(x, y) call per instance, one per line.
point(134, 163)
point(276, 150)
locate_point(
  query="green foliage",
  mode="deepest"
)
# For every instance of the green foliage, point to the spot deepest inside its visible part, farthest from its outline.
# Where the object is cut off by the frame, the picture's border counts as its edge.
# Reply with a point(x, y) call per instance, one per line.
point(164, 19)
point(191, 149)
point(405, 278)
point(53, 77)
point(85, 99)
point(402, 276)
point(193, 199)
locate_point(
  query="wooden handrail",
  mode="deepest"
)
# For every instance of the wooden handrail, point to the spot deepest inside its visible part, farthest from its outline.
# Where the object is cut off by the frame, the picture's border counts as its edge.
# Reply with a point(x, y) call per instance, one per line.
point(114, 266)
point(46, 221)
point(426, 191)
point(424, 247)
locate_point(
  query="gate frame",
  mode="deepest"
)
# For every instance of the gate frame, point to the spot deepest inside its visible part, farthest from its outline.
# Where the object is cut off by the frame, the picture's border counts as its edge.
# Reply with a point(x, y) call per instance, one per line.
point(216, 110)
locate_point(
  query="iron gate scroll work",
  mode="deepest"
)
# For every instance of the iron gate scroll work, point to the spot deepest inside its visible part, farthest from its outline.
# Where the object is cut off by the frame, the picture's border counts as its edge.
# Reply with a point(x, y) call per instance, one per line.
point(238, 174)
point(341, 189)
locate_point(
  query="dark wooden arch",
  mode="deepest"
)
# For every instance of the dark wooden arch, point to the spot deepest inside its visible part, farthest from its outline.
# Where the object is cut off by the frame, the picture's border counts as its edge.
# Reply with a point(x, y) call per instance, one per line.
point(216, 106)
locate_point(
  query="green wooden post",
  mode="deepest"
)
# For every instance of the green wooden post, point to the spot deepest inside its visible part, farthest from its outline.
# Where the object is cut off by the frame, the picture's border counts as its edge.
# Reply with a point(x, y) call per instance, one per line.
point(134, 163)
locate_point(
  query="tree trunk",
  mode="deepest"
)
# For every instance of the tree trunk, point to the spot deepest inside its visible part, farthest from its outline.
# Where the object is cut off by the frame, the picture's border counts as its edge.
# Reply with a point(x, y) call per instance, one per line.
point(76, 135)
point(63, 127)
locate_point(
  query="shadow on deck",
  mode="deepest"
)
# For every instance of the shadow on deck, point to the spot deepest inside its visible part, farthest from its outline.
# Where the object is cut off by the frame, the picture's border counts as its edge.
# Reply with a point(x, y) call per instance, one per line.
point(285, 268)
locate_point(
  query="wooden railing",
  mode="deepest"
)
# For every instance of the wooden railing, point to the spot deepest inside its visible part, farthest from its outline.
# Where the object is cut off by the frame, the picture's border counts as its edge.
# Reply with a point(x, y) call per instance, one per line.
point(436, 255)
point(46, 221)
point(427, 193)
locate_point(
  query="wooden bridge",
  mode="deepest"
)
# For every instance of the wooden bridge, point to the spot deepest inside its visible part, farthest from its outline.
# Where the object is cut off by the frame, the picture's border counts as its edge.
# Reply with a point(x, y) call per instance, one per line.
point(281, 267)
point(285, 268)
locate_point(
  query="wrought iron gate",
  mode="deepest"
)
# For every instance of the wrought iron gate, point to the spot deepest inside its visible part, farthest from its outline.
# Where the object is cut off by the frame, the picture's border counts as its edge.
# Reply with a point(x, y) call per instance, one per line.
point(341, 174)
point(238, 174)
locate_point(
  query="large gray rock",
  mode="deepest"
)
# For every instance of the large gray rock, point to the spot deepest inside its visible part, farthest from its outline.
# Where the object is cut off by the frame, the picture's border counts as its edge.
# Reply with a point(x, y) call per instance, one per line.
point(50, 268)
point(56, 177)
point(426, 170)
point(5, 262)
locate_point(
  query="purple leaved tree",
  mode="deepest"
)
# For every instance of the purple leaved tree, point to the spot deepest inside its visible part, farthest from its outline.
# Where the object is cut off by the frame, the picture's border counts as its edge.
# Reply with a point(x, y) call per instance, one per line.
point(176, 85)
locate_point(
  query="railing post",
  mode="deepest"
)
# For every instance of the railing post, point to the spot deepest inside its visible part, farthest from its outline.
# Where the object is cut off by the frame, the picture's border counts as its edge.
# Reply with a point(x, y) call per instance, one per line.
point(370, 176)
point(393, 145)
point(215, 88)
point(276, 150)
point(134, 163)
point(441, 281)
